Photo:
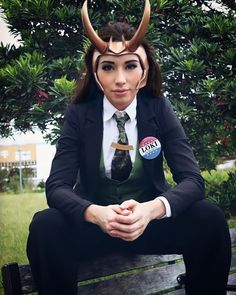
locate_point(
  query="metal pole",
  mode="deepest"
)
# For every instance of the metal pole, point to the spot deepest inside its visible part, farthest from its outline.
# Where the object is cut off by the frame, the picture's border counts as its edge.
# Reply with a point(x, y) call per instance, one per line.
point(20, 170)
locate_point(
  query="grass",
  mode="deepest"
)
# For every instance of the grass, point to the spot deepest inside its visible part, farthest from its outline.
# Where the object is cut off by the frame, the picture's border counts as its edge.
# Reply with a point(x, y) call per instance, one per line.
point(16, 212)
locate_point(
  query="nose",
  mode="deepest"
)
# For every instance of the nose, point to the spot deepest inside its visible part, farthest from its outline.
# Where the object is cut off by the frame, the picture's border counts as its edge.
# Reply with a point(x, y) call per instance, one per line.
point(120, 78)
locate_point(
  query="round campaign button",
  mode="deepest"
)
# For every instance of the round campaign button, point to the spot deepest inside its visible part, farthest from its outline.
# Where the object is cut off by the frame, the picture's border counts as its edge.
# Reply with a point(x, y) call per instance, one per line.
point(150, 147)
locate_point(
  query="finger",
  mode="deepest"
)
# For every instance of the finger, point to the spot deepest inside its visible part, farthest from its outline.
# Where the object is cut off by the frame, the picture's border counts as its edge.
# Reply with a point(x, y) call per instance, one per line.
point(128, 219)
point(124, 212)
point(125, 228)
point(128, 204)
point(115, 208)
point(126, 236)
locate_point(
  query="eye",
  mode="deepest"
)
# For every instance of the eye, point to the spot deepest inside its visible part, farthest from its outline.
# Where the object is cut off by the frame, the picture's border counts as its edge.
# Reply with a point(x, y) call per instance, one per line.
point(107, 67)
point(131, 66)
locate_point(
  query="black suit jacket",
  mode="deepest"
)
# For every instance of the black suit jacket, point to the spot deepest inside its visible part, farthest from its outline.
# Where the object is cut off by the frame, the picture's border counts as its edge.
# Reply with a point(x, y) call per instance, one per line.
point(79, 148)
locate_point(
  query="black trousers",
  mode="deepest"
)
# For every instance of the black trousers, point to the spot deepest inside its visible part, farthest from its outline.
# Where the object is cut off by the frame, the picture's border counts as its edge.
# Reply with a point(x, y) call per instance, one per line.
point(55, 247)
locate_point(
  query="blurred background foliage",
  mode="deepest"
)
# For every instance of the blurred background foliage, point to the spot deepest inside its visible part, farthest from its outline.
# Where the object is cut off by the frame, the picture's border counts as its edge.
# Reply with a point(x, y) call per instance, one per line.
point(195, 43)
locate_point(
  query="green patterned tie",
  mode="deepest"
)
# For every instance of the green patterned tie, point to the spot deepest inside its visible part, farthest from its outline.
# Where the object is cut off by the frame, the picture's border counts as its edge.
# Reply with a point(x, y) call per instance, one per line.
point(121, 164)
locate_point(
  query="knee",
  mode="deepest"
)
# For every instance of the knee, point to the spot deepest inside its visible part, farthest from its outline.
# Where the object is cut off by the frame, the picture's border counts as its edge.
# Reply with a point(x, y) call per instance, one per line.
point(48, 220)
point(209, 213)
point(209, 219)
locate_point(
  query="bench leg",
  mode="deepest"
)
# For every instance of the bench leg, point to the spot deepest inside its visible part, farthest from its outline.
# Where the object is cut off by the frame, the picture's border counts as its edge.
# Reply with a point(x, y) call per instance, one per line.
point(11, 279)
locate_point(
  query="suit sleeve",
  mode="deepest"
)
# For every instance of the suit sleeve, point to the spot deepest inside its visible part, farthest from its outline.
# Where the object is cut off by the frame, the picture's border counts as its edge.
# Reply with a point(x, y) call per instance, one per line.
point(64, 170)
point(184, 168)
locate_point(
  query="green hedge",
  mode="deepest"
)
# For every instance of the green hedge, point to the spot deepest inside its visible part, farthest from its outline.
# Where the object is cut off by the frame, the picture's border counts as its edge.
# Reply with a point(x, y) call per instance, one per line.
point(220, 186)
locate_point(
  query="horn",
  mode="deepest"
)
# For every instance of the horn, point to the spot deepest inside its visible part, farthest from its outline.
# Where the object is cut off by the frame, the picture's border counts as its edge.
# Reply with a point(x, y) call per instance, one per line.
point(92, 35)
point(133, 44)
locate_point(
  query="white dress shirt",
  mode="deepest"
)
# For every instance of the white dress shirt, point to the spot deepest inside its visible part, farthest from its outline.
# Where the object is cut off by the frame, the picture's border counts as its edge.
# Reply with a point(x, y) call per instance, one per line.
point(111, 134)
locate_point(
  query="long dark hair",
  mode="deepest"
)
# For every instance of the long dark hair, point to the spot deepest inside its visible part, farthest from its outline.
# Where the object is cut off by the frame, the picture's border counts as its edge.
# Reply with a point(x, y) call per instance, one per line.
point(116, 30)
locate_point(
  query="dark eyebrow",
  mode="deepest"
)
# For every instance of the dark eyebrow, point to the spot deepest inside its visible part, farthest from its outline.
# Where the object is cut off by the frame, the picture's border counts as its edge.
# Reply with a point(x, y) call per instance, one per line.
point(132, 60)
point(107, 62)
point(112, 62)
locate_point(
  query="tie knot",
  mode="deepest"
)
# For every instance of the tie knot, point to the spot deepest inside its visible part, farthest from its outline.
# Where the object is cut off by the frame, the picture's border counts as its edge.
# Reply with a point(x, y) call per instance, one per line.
point(121, 118)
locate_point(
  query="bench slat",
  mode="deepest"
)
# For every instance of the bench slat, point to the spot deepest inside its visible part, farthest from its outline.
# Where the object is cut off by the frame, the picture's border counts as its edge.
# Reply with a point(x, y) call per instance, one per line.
point(146, 282)
point(116, 263)
point(232, 279)
point(233, 236)
point(92, 269)
point(233, 261)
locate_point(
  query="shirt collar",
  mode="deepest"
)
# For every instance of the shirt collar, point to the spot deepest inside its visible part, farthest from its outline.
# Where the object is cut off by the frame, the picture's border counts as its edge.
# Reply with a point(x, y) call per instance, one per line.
point(109, 109)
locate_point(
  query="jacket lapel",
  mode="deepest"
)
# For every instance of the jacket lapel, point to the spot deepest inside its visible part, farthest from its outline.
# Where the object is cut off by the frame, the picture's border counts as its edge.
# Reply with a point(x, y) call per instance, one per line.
point(93, 142)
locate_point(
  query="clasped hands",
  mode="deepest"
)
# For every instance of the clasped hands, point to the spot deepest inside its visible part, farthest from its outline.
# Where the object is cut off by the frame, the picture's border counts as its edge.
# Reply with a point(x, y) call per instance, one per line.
point(126, 221)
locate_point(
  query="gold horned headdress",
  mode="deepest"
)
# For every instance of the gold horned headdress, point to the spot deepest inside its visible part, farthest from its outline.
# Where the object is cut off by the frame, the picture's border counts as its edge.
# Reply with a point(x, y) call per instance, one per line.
point(119, 47)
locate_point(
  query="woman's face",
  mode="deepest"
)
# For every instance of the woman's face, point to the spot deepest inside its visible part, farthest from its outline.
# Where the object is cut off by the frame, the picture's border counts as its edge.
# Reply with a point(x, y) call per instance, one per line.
point(119, 77)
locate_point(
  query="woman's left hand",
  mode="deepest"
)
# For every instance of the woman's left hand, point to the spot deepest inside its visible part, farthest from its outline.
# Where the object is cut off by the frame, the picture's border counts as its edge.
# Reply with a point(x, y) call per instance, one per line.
point(130, 227)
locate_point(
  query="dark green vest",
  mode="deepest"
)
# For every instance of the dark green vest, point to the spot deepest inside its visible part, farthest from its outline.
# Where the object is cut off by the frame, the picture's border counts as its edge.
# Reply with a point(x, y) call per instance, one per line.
point(137, 186)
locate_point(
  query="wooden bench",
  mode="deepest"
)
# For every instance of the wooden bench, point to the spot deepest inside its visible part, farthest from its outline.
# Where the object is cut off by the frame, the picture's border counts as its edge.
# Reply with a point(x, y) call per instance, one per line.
point(119, 274)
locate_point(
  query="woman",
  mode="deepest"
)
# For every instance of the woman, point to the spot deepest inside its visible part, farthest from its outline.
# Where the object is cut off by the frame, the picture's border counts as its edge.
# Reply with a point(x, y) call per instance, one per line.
point(107, 190)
